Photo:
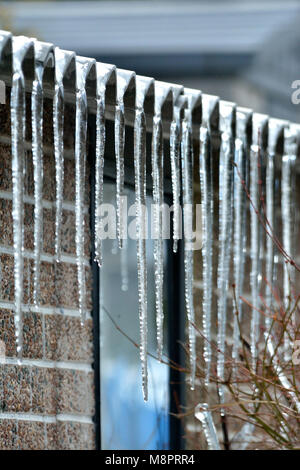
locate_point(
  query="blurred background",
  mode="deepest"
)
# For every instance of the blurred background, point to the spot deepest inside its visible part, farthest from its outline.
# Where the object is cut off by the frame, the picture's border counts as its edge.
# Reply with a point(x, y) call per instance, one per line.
point(245, 51)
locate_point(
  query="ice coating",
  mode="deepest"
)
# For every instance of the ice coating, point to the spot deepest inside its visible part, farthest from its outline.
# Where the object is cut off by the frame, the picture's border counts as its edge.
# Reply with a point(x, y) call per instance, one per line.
point(187, 189)
point(18, 118)
point(206, 186)
point(203, 414)
point(256, 157)
point(241, 156)
point(225, 230)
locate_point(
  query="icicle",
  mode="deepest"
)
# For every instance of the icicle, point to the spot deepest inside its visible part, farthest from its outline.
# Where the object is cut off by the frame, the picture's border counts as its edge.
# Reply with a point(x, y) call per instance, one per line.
point(99, 169)
point(225, 201)
point(187, 186)
point(157, 177)
point(274, 129)
point(104, 73)
point(288, 213)
point(207, 213)
point(256, 157)
point(175, 174)
point(18, 118)
point(58, 130)
point(140, 202)
point(37, 156)
point(82, 70)
point(203, 414)
point(124, 266)
point(206, 185)
point(120, 147)
point(240, 179)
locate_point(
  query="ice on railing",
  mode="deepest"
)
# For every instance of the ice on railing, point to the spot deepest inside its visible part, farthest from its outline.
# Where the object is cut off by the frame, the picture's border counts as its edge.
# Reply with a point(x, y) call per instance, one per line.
point(244, 181)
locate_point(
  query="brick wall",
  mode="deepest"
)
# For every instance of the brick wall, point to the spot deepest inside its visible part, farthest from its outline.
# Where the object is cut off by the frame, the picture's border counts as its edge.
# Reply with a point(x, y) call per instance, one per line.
point(47, 402)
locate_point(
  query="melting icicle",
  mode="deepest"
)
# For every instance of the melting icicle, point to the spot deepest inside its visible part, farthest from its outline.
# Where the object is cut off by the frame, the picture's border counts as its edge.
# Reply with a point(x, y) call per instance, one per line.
point(58, 131)
point(140, 203)
point(225, 200)
point(187, 186)
point(175, 174)
point(240, 177)
point(255, 158)
point(99, 169)
point(206, 183)
point(18, 156)
point(119, 145)
point(203, 414)
point(288, 211)
point(80, 164)
point(157, 176)
point(273, 137)
point(37, 156)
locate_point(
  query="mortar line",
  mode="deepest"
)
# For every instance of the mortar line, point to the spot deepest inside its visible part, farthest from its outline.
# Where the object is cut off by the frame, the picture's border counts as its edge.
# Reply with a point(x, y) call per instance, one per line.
point(46, 418)
point(68, 259)
point(46, 364)
point(67, 206)
point(69, 312)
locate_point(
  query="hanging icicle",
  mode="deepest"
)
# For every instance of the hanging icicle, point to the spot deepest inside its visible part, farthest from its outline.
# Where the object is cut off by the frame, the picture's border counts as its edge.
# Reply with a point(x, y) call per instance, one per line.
point(142, 88)
point(104, 74)
point(288, 184)
point(175, 174)
point(259, 122)
point(161, 95)
point(241, 158)
point(21, 46)
point(83, 69)
point(124, 79)
point(275, 130)
point(42, 56)
point(203, 414)
point(227, 112)
point(63, 59)
point(175, 135)
point(187, 189)
point(209, 104)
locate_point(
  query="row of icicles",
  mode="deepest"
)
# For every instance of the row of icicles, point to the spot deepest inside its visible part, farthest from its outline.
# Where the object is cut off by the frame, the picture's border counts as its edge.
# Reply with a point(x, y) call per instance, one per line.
point(235, 150)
